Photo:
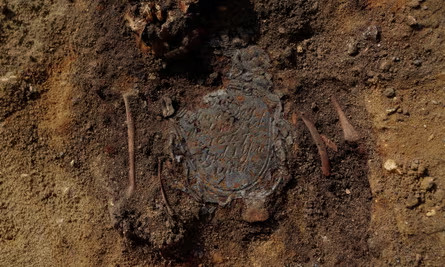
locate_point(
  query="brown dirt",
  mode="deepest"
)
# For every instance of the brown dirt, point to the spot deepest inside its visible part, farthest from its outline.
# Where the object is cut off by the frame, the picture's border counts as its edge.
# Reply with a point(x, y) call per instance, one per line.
point(63, 153)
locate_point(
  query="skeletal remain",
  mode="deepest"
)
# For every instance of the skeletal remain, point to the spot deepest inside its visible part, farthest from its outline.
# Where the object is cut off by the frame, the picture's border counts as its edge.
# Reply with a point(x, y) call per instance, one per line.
point(130, 127)
point(116, 205)
point(137, 25)
point(325, 167)
point(164, 196)
point(350, 134)
point(328, 142)
point(156, 27)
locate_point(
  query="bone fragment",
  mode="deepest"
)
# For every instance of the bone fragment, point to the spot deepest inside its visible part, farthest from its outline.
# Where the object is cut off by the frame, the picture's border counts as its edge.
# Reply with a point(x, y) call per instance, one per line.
point(349, 133)
point(130, 127)
point(325, 168)
point(328, 142)
point(164, 196)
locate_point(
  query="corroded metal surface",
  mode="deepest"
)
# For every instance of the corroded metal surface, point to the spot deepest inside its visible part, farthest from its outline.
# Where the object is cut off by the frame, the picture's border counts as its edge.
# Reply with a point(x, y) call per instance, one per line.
point(232, 146)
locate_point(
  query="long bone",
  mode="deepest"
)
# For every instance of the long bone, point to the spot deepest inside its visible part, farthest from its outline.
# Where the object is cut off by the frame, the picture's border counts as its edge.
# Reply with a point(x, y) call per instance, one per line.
point(325, 166)
point(130, 127)
point(164, 196)
point(131, 172)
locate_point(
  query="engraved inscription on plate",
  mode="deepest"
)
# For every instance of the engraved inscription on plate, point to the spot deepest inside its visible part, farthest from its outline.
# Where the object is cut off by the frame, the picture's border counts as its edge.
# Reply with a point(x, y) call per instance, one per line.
point(229, 145)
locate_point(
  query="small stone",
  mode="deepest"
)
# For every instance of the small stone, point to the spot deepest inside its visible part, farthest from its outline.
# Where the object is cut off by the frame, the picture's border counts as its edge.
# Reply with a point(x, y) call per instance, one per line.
point(413, 4)
point(439, 195)
point(391, 111)
point(412, 202)
point(421, 170)
point(372, 33)
point(167, 107)
point(431, 137)
point(152, 76)
point(348, 192)
point(352, 48)
point(217, 258)
point(389, 92)
point(314, 107)
point(385, 65)
point(10, 77)
point(415, 165)
point(72, 163)
point(390, 165)
point(88, 127)
point(417, 62)
point(66, 191)
point(314, 7)
point(411, 21)
point(427, 184)
point(300, 49)
point(431, 213)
